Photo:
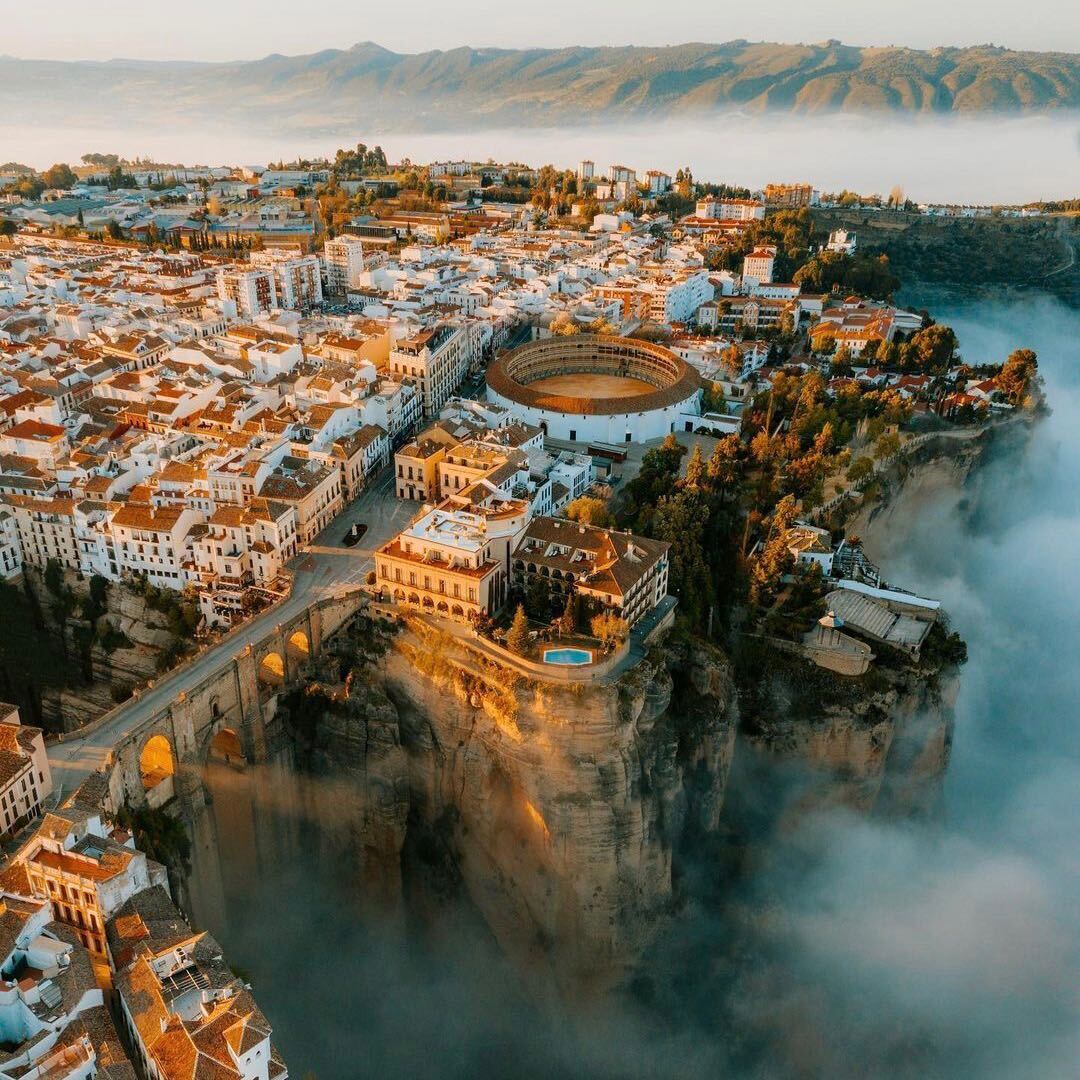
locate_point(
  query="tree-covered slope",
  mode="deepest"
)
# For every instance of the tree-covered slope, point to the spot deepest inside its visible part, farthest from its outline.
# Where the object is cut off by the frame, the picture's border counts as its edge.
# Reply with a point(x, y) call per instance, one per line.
point(471, 87)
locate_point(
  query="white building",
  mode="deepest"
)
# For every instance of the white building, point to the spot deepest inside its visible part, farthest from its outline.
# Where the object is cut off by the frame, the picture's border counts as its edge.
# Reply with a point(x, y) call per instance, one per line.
point(10, 547)
point(25, 780)
point(659, 183)
point(720, 208)
point(312, 487)
point(343, 259)
point(436, 360)
point(842, 241)
point(50, 1003)
point(586, 170)
point(449, 563)
point(72, 861)
point(153, 541)
point(616, 571)
point(186, 1013)
point(449, 168)
point(250, 292)
point(811, 546)
point(683, 296)
point(758, 266)
point(297, 278)
point(272, 179)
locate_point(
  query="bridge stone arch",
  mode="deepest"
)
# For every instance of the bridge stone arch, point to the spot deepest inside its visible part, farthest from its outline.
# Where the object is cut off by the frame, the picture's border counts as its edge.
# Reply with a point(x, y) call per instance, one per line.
point(299, 646)
point(272, 670)
point(157, 767)
point(232, 697)
point(223, 742)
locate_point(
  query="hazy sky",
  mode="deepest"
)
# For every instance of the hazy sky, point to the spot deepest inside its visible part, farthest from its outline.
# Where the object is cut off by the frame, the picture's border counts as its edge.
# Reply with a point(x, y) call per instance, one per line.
point(237, 29)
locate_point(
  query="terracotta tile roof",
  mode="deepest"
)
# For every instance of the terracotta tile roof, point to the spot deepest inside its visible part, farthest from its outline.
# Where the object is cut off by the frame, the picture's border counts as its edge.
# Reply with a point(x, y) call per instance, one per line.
point(601, 559)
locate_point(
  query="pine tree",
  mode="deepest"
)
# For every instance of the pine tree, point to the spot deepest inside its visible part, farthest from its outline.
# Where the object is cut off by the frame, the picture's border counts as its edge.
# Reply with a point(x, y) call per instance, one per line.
point(695, 469)
point(517, 637)
point(567, 621)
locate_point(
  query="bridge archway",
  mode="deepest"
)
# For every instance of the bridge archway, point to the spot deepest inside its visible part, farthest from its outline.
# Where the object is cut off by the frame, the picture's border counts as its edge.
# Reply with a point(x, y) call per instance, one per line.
point(298, 646)
point(272, 669)
point(157, 767)
point(225, 746)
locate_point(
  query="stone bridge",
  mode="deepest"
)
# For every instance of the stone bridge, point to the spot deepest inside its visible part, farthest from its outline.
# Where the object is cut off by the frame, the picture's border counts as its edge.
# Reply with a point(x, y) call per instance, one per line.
point(225, 712)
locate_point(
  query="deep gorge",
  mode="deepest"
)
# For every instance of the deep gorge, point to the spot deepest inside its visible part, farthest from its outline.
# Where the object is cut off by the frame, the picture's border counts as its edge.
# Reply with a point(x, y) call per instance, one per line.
point(452, 875)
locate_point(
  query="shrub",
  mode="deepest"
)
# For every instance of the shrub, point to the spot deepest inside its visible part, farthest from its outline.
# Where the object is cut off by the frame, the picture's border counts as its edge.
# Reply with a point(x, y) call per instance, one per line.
point(609, 628)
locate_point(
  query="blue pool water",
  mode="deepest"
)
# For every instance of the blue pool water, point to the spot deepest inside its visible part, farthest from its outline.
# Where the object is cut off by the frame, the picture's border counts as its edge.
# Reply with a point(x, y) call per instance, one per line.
point(573, 657)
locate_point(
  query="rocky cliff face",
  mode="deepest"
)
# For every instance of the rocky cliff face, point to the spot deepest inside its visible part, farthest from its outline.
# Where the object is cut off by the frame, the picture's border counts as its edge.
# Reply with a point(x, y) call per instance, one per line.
point(563, 810)
point(128, 638)
point(560, 807)
point(880, 742)
point(936, 474)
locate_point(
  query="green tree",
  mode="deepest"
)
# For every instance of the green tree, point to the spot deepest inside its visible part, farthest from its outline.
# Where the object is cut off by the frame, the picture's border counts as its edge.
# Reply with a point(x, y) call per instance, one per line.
point(59, 176)
point(657, 477)
point(695, 469)
point(566, 623)
point(96, 603)
point(538, 599)
point(1017, 374)
point(29, 187)
point(590, 510)
point(609, 628)
point(54, 576)
point(117, 178)
point(775, 558)
point(860, 470)
point(887, 446)
point(517, 637)
point(930, 349)
point(681, 519)
point(724, 464)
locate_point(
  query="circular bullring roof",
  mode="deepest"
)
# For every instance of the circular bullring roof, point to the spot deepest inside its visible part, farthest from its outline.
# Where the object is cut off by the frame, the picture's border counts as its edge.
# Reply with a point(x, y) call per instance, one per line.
point(670, 379)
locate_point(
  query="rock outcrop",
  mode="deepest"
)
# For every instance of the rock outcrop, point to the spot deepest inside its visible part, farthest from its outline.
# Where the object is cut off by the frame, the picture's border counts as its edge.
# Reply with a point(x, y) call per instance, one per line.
point(560, 806)
point(348, 734)
point(127, 640)
point(879, 742)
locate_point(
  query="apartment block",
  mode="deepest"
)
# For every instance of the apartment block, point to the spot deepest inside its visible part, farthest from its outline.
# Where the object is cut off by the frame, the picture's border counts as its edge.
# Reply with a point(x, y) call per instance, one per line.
point(437, 360)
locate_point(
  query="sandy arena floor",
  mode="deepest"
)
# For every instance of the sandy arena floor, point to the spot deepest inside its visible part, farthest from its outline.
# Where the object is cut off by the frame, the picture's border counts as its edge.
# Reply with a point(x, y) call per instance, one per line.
point(596, 386)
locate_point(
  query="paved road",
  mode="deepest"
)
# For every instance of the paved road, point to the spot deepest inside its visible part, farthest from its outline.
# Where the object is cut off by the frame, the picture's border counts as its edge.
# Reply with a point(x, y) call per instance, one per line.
point(326, 568)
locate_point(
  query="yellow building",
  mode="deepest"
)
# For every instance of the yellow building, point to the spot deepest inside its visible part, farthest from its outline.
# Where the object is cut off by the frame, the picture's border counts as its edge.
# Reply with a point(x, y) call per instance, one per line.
point(449, 562)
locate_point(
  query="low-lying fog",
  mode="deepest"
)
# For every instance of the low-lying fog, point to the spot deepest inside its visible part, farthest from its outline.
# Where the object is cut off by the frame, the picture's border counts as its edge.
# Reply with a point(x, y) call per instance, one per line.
point(952, 949)
point(945, 948)
point(938, 159)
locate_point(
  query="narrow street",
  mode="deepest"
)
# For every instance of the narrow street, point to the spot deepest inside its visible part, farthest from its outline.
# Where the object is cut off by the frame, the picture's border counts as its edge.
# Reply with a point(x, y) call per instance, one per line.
point(324, 569)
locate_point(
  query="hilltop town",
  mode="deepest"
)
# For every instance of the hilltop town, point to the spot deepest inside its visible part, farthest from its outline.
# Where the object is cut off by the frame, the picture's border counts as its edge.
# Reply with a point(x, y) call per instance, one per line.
point(547, 415)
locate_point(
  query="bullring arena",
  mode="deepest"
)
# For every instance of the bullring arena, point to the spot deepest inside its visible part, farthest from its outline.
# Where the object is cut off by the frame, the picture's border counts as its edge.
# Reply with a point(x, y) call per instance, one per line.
point(593, 388)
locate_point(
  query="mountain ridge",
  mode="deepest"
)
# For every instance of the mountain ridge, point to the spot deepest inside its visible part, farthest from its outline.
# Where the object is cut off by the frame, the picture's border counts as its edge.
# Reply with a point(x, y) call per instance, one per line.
point(477, 87)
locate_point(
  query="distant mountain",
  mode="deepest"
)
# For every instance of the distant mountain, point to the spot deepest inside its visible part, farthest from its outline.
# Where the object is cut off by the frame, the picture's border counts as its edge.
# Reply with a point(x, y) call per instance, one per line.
point(467, 88)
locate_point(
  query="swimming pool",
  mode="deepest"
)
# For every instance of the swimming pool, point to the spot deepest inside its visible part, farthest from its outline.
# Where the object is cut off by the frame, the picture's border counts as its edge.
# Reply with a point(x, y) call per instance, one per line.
point(568, 657)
